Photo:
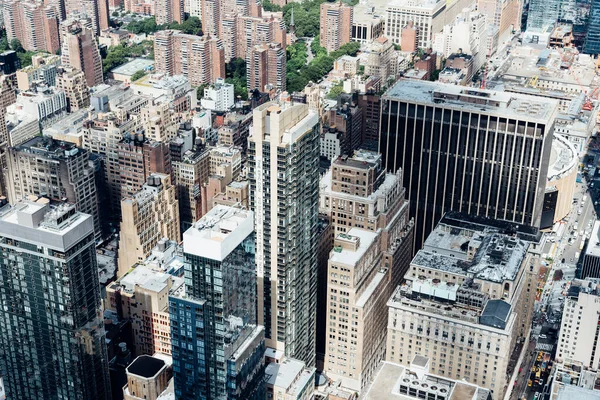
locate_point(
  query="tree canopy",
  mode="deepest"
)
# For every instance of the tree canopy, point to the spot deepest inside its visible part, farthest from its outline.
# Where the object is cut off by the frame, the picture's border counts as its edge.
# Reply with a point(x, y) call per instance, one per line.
point(118, 55)
point(138, 74)
point(236, 75)
point(307, 16)
point(301, 73)
point(191, 26)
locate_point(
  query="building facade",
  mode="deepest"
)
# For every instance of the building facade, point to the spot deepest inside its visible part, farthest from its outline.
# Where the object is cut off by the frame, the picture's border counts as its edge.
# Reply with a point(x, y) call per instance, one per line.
point(223, 356)
point(462, 150)
point(284, 197)
point(50, 285)
point(147, 217)
point(335, 25)
point(266, 68)
point(44, 167)
point(80, 50)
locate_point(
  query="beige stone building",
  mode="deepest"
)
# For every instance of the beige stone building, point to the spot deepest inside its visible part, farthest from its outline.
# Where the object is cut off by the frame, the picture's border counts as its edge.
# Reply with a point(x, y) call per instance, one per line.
point(150, 215)
point(468, 298)
point(159, 121)
point(142, 296)
point(147, 378)
point(373, 236)
point(73, 82)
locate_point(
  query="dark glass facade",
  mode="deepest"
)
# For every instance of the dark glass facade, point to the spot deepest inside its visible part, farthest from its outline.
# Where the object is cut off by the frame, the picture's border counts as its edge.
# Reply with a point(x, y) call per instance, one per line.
point(217, 348)
point(592, 38)
point(52, 342)
point(462, 160)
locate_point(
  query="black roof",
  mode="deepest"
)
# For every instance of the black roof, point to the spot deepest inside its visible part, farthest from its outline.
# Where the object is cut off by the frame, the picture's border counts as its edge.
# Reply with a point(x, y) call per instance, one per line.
point(145, 366)
point(495, 314)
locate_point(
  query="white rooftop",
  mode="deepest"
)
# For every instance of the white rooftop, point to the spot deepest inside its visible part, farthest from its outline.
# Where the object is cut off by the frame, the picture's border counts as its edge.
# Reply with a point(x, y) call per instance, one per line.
point(133, 66)
point(347, 256)
point(149, 279)
point(219, 232)
point(283, 374)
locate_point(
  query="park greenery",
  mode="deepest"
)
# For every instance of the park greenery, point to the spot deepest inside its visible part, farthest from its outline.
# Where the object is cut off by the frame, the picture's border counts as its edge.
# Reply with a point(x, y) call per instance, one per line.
point(299, 73)
point(118, 55)
point(24, 56)
point(192, 26)
point(236, 75)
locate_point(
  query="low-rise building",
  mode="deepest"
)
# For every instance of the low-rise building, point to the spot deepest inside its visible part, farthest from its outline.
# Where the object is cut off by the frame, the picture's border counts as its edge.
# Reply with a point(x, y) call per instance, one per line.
point(414, 381)
point(44, 103)
point(219, 96)
point(20, 125)
point(41, 71)
point(174, 90)
point(147, 378)
point(290, 379)
point(142, 294)
point(124, 72)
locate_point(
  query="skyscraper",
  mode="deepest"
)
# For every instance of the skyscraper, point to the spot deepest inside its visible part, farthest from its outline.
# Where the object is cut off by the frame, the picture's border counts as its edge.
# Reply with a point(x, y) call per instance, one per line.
point(336, 25)
point(475, 151)
point(167, 11)
point(284, 194)
point(592, 37)
point(52, 342)
point(222, 356)
point(33, 23)
point(266, 67)
point(80, 50)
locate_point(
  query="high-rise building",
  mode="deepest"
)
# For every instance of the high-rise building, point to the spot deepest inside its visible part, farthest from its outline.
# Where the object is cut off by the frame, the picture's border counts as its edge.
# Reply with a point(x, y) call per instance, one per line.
point(336, 24)
point(149, 216)
point(101, 135)
point(370, 103)
point(80, 50)
point(47, 104)
point(501, 17)
point(7, 97)
point(49, 281)
point(578, 339)
point(72, 82)
point(590, 265)
point(471, 287)
point(462, 150)
point(9, 62)
point(223, 356)
point(43, 69)
point(191, 172)
point(543, 15)
point(592, 36)
point(218, 97)
point(266, 68)
point(211, 17)
point(346, 119)
point(241, 32)
point(284, 195)
point(167, 11)
point(159, 122)
point(57, 170)
point(201, 59)
point(33, 23)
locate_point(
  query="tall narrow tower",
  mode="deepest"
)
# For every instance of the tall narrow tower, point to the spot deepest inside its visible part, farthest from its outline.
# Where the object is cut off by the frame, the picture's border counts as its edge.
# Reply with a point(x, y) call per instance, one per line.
point(284, 179)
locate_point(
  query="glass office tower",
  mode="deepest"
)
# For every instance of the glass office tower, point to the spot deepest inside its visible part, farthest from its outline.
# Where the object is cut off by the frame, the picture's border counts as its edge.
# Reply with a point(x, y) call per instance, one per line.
point(52, 341)
point(217, 346)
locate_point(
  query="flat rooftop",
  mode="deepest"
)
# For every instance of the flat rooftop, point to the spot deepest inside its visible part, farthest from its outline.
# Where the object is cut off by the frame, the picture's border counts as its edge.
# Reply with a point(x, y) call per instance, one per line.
point(502, 104)
point(283, 374)
point(133, 66)
point(145, 366)
point(563, 158)
point(390, 377)
point(350, 256)
point(219, 232)
point(497, 257)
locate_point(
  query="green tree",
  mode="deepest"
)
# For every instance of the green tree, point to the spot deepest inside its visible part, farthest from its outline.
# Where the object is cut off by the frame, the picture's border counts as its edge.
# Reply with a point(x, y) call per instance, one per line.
point(138, 74)
point(335, 91)
point(236, 75)
point(200, 91)
point(17, 46)
point(4, 44)
point(268, 6)
point(115, 14)
point(191, 26)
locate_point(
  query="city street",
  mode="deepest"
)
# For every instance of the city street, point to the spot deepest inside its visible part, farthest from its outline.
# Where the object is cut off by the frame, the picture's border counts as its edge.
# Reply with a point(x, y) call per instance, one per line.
point(562, 251)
